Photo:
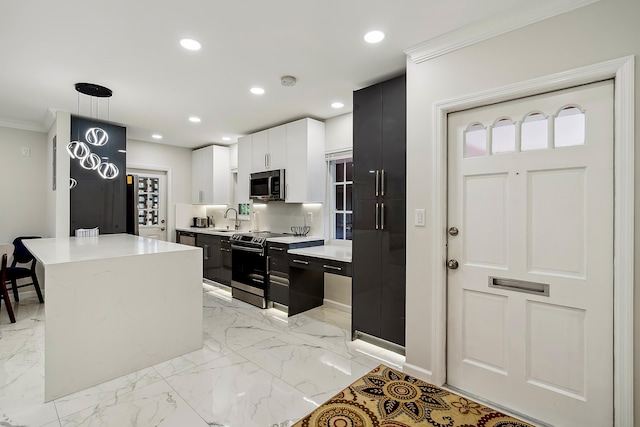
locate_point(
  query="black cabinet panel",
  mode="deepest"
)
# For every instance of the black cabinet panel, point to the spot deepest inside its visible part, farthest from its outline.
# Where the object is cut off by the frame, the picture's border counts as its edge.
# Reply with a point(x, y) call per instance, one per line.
point(225, 268)
point(394, 136)
point(367, 127)
point(98, 197)
point(298, 297)
point(211, 256)
point(379, 220)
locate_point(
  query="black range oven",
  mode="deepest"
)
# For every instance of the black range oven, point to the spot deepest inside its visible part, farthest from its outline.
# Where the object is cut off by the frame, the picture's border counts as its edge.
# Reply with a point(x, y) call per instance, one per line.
point(249, 276)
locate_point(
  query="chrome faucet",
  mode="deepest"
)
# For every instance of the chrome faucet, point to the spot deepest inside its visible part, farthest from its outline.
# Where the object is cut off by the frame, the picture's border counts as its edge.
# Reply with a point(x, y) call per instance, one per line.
point(237, 222)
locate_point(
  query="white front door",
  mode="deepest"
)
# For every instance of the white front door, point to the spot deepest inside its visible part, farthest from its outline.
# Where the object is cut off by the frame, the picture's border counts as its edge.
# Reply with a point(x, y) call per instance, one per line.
point(530, 304)
point(152, 204)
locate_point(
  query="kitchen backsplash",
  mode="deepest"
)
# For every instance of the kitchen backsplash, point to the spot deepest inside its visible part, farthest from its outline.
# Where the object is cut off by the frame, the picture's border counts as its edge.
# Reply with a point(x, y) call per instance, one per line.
point(275, 216)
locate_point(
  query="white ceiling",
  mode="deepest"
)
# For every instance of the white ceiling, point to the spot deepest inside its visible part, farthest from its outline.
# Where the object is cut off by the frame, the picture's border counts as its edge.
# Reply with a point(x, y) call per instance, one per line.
point(132, 47)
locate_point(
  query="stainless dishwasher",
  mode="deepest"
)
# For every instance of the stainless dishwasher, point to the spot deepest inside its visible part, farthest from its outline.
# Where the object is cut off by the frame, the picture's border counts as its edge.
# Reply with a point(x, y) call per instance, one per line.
point(186, 238)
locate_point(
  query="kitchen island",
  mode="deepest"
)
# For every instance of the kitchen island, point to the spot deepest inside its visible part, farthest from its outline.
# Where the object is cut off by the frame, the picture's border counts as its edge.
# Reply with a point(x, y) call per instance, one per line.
point(116, 304)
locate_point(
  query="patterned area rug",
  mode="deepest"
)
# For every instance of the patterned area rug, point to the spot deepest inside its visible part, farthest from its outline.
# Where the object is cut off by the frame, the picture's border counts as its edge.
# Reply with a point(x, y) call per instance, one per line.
point(388, 398)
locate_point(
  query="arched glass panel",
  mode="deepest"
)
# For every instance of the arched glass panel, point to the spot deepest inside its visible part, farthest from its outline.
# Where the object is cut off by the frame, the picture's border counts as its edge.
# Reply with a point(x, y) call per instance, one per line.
point(503, 136)
point(569, 127)
point(475, 141)
point(535, 132)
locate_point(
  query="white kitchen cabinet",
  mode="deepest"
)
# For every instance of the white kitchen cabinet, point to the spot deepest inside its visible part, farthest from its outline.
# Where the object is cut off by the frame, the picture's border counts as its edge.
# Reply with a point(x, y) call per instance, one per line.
point(269, 149)
point(305, 168)
point(233, 157)
point(244, 168)
point(210, 176)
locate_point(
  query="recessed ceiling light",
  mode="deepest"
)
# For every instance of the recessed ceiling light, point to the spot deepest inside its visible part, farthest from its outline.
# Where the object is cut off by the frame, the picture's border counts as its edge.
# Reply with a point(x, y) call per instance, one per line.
point(226, 138)
point(257, 90)
point(194, 119)
point(374, 36)
point(190, 44)
point(156, 136)
point(337, 105)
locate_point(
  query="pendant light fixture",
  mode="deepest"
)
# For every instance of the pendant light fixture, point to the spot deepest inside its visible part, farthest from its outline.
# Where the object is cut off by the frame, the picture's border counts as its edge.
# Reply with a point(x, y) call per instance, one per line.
point(94, 136)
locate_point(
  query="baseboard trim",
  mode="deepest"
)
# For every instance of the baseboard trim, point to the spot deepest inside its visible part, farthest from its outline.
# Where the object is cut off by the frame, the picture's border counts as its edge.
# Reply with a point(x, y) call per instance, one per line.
point(418, 372)
point(337, 305)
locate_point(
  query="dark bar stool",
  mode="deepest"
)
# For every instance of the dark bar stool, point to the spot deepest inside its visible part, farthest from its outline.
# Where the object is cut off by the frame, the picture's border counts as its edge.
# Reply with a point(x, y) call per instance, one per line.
point(21, 255)
point(3, 289)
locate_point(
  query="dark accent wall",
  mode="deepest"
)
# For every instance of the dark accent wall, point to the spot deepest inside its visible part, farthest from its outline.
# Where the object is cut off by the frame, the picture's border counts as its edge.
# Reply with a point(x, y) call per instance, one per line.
point(95, 201)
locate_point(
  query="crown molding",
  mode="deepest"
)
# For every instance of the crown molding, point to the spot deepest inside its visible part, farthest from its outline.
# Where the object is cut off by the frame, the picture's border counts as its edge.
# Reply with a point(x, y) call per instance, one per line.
point(15, 124)
point(489, 28)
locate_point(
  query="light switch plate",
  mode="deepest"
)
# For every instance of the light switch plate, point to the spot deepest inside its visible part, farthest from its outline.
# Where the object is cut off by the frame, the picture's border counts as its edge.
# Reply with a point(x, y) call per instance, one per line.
point(420, 217)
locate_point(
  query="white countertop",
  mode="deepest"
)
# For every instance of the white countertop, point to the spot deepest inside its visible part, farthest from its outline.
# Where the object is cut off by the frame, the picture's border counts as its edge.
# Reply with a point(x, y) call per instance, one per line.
point(213, 231)
point(294, 239)
point(61, 250)
point(334, 252)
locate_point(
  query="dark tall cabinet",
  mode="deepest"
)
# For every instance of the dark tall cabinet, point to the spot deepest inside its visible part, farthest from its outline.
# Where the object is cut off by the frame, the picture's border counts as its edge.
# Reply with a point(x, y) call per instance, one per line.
point(379, 215)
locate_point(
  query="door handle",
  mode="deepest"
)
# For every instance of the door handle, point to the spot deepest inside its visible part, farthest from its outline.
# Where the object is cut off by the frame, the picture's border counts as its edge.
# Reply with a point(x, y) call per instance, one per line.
point(206, 251)
point(453, 231)
point(382, 216)
point(377, 218)
point(200, 196)
point(452, 264)
point(161, 228)
point(382, 183)
point(377, 182)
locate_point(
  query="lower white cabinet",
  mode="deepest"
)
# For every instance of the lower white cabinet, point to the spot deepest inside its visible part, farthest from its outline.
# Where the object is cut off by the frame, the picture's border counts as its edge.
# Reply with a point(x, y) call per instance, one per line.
point(210, 176)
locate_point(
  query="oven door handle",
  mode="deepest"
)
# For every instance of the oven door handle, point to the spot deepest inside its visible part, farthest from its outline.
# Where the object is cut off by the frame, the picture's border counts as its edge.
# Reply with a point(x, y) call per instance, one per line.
point(247, 249)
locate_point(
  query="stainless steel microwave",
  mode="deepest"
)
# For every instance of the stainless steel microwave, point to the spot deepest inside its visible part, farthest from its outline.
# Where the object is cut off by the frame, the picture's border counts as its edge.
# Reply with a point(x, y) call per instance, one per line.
point(268, 185)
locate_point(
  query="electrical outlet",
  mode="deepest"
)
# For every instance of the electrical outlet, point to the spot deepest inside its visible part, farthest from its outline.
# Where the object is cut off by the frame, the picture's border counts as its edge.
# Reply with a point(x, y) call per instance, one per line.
point(26, 152)
point(420, 217)
point(310, 217)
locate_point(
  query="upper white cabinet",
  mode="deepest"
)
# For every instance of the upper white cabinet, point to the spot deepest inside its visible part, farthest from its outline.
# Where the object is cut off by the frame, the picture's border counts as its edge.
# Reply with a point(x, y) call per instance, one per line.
point(297, 147)
point(269, 149)
point(233, 157)
point(306, 168)
point(210, 176)
point(244, 168)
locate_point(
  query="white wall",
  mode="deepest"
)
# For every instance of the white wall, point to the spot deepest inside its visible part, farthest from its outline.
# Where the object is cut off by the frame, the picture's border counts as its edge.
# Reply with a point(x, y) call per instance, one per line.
point(605, 30)
point(58, 208)
point(23, 183)
point(176, 160)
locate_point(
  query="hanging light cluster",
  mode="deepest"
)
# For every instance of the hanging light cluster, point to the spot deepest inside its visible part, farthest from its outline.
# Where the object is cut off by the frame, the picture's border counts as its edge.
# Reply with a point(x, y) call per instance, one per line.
point(94, 136)
point(79, 150)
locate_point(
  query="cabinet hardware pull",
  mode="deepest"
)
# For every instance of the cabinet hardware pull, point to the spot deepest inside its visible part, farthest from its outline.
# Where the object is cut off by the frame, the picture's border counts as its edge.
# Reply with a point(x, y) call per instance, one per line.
point(382, 217)
point(382, 183)
point(377, 218)
point(206, 251)
point(332, 267)
point(268, 269)
point(265, 161)
point(275, 248)
point(200, 196)
point(377, 182)
point(301, 262)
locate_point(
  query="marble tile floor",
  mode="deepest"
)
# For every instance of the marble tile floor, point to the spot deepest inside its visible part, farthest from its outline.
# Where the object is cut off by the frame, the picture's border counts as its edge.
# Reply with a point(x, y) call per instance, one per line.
point(257, 368)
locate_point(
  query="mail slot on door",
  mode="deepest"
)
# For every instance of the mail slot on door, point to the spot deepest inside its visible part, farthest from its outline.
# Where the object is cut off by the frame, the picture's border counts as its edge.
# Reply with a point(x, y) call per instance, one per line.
point(519, 286)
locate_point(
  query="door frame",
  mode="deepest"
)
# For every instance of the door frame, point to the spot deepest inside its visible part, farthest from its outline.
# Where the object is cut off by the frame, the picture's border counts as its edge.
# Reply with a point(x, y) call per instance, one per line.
point(622, 71)
point(171, 221)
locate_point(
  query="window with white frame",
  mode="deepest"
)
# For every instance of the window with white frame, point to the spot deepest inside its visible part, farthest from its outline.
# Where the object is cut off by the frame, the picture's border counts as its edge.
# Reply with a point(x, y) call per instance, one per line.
point(342, 200)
